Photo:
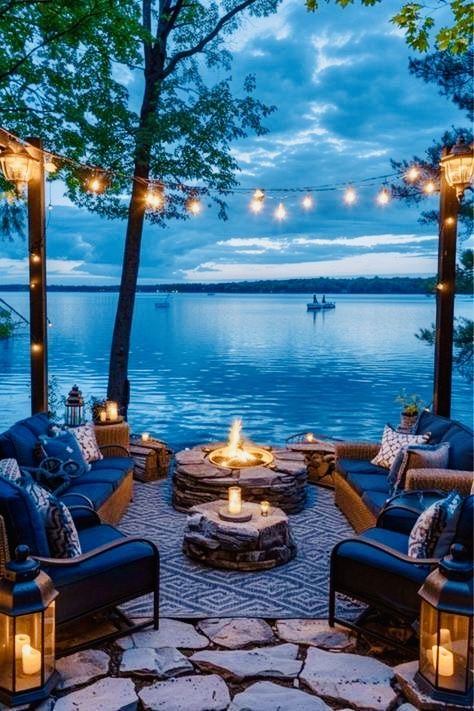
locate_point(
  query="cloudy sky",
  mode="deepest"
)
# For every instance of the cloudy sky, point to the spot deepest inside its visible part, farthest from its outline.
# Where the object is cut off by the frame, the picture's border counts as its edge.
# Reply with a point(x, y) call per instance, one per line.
point(346, 105)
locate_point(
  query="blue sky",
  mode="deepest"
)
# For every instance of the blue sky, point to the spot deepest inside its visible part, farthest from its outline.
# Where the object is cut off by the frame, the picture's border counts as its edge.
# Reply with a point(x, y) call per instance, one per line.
point(346, 105)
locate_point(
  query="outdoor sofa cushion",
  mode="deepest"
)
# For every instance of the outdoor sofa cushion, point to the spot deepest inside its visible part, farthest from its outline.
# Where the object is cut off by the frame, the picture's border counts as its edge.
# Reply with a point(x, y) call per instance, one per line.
point(20, 440)
point(22, 519)
point(460, 438)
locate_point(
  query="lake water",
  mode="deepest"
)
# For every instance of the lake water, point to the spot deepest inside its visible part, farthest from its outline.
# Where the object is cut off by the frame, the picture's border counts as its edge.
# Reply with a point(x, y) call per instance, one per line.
point(206, 359)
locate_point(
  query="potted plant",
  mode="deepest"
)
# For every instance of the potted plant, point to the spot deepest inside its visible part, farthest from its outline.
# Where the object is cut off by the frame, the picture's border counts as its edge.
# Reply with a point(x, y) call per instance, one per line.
point(411, 406)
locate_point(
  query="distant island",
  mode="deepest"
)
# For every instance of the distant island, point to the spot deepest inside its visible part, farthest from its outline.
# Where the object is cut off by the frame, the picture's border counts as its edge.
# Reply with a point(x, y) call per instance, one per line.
point(319, 285)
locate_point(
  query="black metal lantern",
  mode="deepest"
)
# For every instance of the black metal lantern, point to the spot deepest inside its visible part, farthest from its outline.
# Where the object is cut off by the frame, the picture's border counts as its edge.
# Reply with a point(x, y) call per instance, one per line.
point(74, 407)
point(27, 632)
point(446, 629)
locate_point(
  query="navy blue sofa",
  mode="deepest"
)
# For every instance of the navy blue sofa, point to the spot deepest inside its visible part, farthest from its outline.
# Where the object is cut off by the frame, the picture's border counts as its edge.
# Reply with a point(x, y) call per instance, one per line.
point(362, 489)
point(107, 487)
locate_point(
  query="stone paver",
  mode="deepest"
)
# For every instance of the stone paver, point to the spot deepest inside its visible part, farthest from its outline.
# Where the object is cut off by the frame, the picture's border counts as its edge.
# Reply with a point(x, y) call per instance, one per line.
point(172, 633)
point(267, 696)
point(315, 633)
point(188, 693)
point(238, 632)
point(352, 679)
point(164, 662)
point(405, 675)
point(82, 667)
point(105, 695)
point(279, 661)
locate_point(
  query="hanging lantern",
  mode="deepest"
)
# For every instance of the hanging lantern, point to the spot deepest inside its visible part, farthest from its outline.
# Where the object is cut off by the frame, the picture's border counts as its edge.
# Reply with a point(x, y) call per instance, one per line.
point(446, 630)
point(17, 167)
point(74, 407)
point(458, 167)
point(27, 624)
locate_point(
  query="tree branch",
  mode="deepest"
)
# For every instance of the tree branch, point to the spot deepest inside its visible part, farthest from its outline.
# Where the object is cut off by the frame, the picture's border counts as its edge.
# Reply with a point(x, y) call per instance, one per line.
point(179, 56)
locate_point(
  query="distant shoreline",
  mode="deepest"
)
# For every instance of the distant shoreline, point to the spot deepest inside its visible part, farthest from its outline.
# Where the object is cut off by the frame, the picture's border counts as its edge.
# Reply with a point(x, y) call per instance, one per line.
point(321, 285)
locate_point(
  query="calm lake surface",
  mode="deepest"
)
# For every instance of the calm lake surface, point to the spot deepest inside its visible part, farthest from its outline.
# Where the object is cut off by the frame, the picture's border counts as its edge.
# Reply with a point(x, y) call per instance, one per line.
point(206, 359)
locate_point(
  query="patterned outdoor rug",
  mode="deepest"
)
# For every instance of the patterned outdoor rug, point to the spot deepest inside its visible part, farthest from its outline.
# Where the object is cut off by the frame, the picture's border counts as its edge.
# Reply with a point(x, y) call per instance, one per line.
point(189, 589)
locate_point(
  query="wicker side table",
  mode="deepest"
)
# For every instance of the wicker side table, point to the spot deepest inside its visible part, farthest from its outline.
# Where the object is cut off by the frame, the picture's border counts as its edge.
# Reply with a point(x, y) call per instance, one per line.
point(320, 459)
point(110, 434)
point(151, 458)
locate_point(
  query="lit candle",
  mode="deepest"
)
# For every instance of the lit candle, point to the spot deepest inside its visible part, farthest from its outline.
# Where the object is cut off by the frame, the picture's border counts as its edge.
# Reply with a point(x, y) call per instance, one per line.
point(20, 641)
point(31, 660)
point(310, 437)
point(235, 499)
point(102, 416)
point(145, 436)
point(112, 410)
point(264, 508)
point(443, 660)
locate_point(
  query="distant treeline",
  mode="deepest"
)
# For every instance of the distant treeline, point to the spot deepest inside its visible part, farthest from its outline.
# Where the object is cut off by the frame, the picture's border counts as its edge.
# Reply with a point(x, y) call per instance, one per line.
point(320, 285)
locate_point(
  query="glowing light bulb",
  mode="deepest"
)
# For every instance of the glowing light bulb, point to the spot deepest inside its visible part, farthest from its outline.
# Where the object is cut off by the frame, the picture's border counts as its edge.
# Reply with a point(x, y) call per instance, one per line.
point(280, 212)
point(259, 194)
point(350, 196)
point(35, 258)
point(412, 174)
point(450, 221)
point(154, 198)
point(429, 187)
point(193, 205)
point(256, 206)
point(383, 198)
point(36, 347)
point(307, 202)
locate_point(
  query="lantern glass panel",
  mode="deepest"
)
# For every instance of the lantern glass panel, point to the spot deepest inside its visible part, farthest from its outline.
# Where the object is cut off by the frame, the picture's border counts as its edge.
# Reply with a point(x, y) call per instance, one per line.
point(7, 656)
point(28, 651)
point(49, 639)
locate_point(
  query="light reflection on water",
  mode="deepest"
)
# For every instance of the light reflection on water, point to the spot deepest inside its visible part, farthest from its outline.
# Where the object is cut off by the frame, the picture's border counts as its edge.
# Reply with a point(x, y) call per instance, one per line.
point(199, 363)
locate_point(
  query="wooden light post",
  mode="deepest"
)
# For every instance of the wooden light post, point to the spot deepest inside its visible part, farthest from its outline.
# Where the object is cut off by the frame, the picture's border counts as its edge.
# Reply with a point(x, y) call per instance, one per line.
point(457, 167)
point(23, 166)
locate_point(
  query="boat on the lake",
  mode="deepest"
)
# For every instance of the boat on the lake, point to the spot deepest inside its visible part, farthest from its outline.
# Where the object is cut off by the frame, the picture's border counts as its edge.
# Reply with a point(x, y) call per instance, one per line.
point(322, 305)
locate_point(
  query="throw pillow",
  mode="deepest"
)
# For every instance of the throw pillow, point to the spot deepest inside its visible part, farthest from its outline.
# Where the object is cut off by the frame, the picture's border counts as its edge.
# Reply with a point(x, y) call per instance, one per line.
point(425, 538)
point(60, 529)
point(85, 436)
point(416, 456)
point(10, 470)
point(64, 447)
point(392, 441)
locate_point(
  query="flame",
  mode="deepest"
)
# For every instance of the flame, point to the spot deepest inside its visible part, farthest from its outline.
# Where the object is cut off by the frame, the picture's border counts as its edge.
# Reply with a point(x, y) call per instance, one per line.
point(235, 447)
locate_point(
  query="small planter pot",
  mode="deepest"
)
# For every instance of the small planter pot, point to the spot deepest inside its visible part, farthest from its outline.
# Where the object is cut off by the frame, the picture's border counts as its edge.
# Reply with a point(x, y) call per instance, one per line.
point(408, 421)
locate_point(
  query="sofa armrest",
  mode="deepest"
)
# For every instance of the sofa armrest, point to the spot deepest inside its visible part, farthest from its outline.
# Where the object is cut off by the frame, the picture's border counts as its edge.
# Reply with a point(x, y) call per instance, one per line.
point(76, 495)
point(444, 479)
point(84, 516)
point(68, 562)
point(356, 450)
point(114, 450)
point(385, 549)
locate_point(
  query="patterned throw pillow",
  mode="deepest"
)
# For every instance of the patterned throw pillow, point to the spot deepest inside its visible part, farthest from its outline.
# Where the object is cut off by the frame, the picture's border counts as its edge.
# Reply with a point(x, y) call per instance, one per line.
point(60, 530)
point(10, 470)
point(392, 441)
point(416, 456)
point(85, 435)
point(65, 447)
point(425, 537)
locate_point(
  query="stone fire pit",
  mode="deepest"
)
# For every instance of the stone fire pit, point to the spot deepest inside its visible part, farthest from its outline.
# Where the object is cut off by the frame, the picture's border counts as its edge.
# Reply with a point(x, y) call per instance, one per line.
point(197, 481)
point(258, 544)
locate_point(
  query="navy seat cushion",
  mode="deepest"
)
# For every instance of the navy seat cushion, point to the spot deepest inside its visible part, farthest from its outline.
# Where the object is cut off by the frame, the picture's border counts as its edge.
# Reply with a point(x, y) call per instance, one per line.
point(435, 424)
point(22, 520)
point(461, 441)
point(369, 482)
point(396, 519)
point(98, 493)
point(19, 441)
point(375, 500)
point(373, 576)
point(104, 475)
point(87, 585)
point(359, 466)
point(123, 463)
point(465, 525)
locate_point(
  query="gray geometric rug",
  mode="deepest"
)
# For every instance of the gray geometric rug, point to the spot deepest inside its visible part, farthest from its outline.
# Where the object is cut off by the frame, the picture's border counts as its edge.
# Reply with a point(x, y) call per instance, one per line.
point(191, 590)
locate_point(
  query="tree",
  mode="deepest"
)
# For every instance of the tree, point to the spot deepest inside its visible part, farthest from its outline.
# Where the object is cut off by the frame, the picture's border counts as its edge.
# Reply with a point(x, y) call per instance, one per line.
point(417, 20)
point(179, 136)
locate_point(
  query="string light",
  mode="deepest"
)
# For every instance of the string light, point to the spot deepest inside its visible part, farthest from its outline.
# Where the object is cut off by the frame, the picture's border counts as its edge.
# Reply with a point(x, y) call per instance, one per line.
point(412, 174)
point(35, 258)
point(49, 164)
point(96, 183)
point(350, 196)
point(307, 202)
point(280, 212)
point(36, 347)
point(383, 197)
point(449, 221)
point(193, 205)
point(429, 187)
point(155, 197)
point(258, 199)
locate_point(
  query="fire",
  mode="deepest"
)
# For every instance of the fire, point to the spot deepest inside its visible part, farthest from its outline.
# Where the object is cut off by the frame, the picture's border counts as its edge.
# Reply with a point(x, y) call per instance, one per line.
point(238, 453)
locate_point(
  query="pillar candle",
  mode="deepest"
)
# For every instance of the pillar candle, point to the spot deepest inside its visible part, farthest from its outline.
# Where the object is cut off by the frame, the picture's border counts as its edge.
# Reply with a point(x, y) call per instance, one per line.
point(112, 411)
point(235, 499)
point(264, 508)
point(443, 660)
point(103, 416)
point(145, 436)
point(20, 641)
point(31, 659)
